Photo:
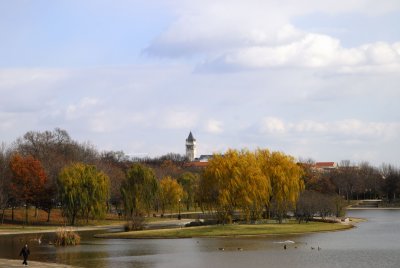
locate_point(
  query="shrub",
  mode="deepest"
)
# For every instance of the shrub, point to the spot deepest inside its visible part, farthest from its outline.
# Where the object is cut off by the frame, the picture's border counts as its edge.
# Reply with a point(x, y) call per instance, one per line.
point(135, 224)
point(66, 237)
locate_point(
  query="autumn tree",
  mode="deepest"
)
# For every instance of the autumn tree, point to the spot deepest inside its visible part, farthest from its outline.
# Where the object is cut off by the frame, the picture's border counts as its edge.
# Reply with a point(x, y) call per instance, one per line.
point(139, 190)
point(235, 181)
point(166, 168)
point(55, 150)
point(83, 192)
point(28, 180)
point(315, 180)
point(114, 164)
point(189, 182)
point(170, 193)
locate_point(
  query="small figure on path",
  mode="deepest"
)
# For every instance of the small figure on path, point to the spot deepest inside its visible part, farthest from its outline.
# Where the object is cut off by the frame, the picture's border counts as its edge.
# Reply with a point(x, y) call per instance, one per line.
point(284, 246)
point(25, 253)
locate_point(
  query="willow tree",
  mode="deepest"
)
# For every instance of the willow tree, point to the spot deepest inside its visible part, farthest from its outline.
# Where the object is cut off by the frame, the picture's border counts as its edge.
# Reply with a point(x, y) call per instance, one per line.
point(170, 193)
point(189, 182)
point(285, 177)
point(234, 181)
point(139, 190)
point(84, 192)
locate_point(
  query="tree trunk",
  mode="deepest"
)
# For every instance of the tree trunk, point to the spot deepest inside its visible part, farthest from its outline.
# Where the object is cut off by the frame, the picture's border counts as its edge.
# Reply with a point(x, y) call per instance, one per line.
point(26, 214)
point(2, 215)
point(12, 213)
point(73, 219)
point(48, 215)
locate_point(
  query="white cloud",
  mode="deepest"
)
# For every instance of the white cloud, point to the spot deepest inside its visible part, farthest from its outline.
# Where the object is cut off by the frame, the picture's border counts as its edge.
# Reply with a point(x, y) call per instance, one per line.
point(28, 90)
point(214, 126)
point(259, 34)
point(115, 107)
point(182, 119)
point(83, 108)
point(315, 51)
point(343, 129)
point(273, 125)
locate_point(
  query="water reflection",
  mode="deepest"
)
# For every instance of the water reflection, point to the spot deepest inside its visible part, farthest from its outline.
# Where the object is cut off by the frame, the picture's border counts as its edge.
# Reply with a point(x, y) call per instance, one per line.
point(372, 244)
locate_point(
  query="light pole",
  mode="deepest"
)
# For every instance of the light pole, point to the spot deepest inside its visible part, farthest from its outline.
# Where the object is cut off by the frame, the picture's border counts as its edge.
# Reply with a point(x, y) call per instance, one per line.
point(179, 209)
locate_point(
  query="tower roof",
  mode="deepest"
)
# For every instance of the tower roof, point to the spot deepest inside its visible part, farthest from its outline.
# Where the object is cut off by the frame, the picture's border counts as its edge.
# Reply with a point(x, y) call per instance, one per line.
point(190, 137)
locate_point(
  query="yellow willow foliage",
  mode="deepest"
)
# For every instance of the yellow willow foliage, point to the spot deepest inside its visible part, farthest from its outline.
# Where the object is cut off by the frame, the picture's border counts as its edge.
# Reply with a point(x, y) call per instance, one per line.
point(84, 192)
point(285, 176)
point(235, 181)
point(170, 193)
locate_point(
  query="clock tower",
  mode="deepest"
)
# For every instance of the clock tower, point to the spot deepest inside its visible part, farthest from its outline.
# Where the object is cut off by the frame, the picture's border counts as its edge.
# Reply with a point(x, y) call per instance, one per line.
point(190, 147)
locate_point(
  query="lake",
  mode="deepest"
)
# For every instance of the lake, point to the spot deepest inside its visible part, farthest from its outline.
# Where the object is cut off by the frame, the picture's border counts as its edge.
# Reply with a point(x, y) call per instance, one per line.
point(375, 243)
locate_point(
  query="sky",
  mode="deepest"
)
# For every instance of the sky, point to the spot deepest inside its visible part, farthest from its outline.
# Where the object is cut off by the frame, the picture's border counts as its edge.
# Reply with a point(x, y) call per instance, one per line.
point(313, 79)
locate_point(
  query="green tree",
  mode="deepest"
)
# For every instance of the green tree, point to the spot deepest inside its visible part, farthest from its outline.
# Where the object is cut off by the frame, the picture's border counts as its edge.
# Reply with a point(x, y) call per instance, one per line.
point(189, 182)
point(83, 192)
point(55, 150)
point(139, 190)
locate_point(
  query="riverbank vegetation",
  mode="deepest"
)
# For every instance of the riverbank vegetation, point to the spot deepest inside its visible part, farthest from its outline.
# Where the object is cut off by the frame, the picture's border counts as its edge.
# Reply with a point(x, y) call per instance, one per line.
point(52, 174)
point(66, 237)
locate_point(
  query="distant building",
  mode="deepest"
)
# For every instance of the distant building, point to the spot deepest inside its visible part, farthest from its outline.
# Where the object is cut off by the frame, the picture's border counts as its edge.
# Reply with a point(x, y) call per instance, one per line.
point(325, 166)
point(191, 147)
point(204, 158)
point(196, 165)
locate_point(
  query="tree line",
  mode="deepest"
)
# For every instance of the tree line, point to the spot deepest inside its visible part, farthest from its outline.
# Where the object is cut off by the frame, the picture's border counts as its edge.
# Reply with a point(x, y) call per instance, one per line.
point(49, 169)
point(354, 181)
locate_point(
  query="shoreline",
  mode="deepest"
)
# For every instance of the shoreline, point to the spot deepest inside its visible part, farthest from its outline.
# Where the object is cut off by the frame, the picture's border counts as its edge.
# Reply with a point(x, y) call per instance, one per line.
point(379, 208)
point(157, 225)
point(9, 263)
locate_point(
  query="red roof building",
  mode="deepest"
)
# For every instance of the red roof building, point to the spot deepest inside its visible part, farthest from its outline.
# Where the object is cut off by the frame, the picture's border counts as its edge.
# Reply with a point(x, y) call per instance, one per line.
point(325, 166)
point(196, 164)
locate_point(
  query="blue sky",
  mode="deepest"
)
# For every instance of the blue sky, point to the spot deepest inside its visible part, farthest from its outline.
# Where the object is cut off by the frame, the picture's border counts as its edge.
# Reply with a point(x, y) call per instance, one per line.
point(315, 79)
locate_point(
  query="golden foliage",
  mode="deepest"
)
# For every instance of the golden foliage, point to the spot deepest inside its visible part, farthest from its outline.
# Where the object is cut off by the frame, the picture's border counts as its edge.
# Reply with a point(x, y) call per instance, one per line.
point(170, 194)
point(248, 181)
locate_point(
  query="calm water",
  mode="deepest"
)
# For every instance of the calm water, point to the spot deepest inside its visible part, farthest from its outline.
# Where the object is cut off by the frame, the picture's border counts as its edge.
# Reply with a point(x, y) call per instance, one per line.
point(375, 243)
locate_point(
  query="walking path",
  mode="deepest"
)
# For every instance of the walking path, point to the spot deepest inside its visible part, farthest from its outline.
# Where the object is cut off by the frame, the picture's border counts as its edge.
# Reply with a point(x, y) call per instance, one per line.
point(54, 229)
point(4, 263)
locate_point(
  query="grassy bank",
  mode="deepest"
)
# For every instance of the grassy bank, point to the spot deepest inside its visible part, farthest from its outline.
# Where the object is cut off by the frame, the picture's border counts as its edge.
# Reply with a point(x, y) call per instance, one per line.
point(231, 230)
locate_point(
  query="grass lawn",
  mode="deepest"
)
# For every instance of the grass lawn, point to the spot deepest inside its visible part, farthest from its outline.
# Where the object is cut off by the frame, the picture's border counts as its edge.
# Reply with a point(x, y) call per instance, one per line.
point(232, 230)
point(39, 222)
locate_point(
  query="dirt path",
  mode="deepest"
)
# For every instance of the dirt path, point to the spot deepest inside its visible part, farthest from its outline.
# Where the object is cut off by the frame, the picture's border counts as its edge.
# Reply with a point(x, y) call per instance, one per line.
point(54, 229)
